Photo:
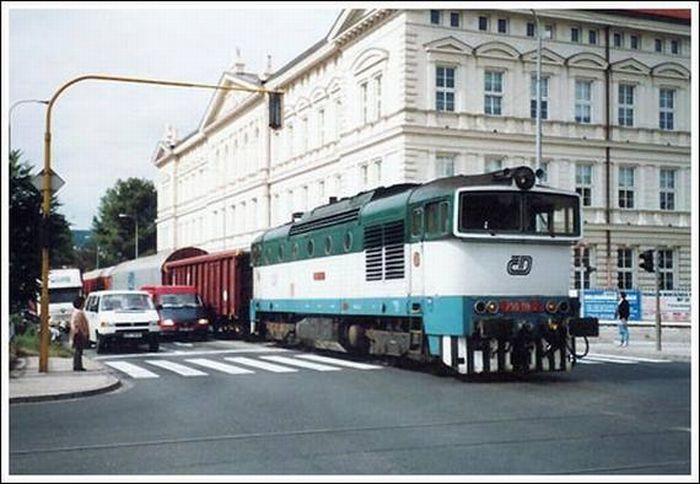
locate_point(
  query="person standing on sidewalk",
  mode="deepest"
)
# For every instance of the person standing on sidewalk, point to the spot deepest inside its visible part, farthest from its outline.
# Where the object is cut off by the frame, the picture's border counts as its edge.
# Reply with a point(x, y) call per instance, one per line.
point(80, 329)
point(623, 313)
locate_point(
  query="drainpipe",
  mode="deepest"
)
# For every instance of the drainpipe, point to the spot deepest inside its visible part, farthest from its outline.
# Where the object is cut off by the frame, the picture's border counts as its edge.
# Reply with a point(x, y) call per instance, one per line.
point(608, 244)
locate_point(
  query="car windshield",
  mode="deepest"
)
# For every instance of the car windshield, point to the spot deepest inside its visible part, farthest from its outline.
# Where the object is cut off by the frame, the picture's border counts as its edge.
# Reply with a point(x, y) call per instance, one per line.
point(64, 294)
point(180, 300)
point(125, 302)
point(522, 213)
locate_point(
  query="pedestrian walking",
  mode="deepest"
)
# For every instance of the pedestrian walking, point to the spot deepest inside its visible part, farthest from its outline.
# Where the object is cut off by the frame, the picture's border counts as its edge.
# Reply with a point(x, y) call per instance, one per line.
point(623, 313)
point(80, 330)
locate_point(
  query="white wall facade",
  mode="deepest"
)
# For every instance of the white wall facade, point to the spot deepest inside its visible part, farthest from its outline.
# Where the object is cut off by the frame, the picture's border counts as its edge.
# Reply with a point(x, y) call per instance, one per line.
point(360, 111)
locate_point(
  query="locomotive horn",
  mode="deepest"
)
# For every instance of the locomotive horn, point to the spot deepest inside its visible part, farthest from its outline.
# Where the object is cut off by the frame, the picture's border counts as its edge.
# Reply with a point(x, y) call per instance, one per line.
point(524, 178)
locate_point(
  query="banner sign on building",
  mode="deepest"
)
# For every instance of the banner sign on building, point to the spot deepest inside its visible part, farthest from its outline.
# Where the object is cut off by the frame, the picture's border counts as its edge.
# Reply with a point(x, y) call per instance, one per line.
point(602, 304)
point(674, 305)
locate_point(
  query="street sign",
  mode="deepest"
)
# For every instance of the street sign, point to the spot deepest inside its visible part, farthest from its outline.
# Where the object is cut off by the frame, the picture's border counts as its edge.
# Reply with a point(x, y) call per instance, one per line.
point(56, 181)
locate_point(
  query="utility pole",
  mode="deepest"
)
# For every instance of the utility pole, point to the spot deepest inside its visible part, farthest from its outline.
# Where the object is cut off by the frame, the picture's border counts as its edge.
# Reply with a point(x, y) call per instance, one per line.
point(658, 302)
point(538, 93)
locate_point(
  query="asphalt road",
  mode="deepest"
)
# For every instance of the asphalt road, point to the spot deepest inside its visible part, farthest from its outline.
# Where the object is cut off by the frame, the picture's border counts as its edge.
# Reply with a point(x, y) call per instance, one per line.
point(603, 418)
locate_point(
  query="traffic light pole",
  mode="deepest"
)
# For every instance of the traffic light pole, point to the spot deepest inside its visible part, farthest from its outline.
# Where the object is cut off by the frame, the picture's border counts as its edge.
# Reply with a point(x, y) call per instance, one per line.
point(658, 303)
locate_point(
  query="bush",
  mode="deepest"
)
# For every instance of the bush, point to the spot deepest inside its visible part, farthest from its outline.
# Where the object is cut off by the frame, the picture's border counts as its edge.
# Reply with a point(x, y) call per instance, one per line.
point(28, 344)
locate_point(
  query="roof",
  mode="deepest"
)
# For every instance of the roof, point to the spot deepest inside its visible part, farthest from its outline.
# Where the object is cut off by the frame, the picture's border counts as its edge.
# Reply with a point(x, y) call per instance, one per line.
point(678, 16)
point(158, 290)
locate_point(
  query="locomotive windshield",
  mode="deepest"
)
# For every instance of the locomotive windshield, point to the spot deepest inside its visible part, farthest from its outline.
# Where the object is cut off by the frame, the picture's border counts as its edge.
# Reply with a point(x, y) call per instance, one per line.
point(519, 213)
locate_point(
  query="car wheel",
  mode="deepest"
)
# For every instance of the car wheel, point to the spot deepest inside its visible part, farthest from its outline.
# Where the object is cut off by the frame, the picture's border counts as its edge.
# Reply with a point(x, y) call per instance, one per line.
point(100, 343)
point(153, 345)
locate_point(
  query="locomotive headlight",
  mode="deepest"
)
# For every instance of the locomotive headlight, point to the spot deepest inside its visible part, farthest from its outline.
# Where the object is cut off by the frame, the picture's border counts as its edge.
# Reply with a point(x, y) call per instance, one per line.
point(551, 306)
point(564, 307)
point(480, 307)
point(492, 307)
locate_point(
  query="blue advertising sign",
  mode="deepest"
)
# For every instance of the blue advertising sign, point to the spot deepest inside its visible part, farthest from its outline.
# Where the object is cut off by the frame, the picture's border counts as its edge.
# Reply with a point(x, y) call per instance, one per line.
point(602, 304)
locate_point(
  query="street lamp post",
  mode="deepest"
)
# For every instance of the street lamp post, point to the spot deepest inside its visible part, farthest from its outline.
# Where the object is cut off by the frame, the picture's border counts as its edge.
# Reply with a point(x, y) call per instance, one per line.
point(136, 222)
point(14, 105)
point(538, 93)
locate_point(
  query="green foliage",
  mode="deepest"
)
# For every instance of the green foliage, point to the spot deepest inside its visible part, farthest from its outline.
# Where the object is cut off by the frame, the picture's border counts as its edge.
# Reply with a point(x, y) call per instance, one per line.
point(115, 236)
point(25, 239)
point(28, 344)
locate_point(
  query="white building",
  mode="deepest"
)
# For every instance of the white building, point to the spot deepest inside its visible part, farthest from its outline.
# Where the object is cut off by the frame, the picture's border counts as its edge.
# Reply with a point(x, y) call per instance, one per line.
point(409, 95)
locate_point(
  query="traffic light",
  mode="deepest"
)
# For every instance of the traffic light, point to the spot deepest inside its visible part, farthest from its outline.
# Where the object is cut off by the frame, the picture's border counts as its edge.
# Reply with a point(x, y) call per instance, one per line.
point(275, 110)
point(647, 258)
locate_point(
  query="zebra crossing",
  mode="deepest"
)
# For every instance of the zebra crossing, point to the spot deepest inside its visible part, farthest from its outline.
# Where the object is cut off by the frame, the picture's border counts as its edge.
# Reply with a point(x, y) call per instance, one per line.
point(235, 365)
point(598, 359)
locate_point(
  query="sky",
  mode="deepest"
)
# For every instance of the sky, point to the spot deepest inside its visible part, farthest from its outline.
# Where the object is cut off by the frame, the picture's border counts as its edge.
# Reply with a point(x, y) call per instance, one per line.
point(103, 131)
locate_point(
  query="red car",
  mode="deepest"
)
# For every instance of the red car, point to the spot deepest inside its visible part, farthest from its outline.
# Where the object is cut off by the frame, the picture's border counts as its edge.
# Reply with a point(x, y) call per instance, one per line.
point(181, 311)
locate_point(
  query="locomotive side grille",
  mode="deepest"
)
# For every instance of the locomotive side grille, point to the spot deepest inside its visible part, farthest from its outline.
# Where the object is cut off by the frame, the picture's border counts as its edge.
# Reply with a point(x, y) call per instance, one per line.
point(373, 254)
point(323, 222)
point(393, 251)
point(384, 254)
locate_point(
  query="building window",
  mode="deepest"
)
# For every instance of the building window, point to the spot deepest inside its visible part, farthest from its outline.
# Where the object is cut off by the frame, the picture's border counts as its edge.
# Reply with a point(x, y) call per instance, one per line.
point(625, 101)
point(666, 270)
point(548, 31)
point(593, 37)
point(634, 42)
point(624, 269)
point(321, 127)
point(378, 95)
point(493, 92)
point(666, 103)
point(626, 187)
point(582, 260)
point(502, 26)
point(445, 89)
point(445, 165)
point(667, 189)
point(583, 101)
point(584, 183)
point(675, 47)
point(658, 45)
point(363, 90)
point(493, 164)
point(435, 17)
point(364, 175)
point(530, 31)
point(483, 23)
point(617, 39)
point(454, 19)
point(575, 34)
point(544, 95)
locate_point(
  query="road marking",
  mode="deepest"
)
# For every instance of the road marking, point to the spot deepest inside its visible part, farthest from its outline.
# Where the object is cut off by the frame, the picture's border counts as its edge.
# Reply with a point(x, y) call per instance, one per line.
point(631, 358)
point(262, 365)
point(300, 363)
point(191, 353)
point(609, 360)
point(131, 370)
point(339, 362)
point(215, 365)
point(186, 345)
point(176, 367)
point(587, 362)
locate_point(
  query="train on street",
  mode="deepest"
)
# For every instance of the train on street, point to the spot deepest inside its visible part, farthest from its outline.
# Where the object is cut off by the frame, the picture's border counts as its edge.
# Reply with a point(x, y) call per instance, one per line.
point(469, 274)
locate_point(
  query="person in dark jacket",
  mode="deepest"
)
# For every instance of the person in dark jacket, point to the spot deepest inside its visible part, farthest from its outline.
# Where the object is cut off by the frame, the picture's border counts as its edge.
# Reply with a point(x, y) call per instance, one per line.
point(623, 314)
point(81, 333)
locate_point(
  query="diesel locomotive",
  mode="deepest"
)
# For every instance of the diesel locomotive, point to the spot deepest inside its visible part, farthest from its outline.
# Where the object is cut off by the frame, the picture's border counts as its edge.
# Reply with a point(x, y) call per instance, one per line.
point(470, 273)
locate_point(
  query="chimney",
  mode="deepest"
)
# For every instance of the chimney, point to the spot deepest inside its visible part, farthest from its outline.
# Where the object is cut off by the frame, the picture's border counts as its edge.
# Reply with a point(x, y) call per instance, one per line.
point(239, 65)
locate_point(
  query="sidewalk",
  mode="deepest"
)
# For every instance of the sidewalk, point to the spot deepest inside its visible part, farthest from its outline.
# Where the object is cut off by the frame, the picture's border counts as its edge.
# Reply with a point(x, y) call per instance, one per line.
point(675, 342)
point(27, 384)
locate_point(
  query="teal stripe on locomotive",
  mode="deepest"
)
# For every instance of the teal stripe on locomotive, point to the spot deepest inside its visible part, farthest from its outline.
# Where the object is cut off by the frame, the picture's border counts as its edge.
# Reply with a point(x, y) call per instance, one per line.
point(447, 315)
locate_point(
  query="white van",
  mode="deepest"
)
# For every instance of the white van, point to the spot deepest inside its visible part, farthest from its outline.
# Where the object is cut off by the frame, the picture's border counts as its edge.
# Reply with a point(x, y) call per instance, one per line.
point(119, 316)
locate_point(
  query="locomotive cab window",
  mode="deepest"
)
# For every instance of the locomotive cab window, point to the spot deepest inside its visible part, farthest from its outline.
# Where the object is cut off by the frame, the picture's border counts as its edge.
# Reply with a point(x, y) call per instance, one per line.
point(417, 222)
point(529, 213)
point(436, 218)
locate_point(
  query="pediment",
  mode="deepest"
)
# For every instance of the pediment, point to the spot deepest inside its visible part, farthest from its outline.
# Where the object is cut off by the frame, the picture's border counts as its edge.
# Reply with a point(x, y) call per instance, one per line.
point(548, 57)
point(671, 70)
point(368, 59)
point(587, 60)
point(160, 151)
point(346, 20)
point(224, 101)
point(497, 50)
point(448, 45)
point(631, 66)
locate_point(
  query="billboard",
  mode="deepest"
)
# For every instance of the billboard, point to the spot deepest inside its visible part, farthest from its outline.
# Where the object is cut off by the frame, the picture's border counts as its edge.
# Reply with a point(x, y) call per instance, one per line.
point(602, 303)
point(673, 305)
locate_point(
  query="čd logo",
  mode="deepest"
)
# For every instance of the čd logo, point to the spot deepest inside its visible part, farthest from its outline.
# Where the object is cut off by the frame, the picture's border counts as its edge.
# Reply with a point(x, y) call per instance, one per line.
point(519, 265)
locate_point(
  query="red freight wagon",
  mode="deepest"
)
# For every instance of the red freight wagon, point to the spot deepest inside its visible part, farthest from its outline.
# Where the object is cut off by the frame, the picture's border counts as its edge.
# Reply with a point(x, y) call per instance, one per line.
point(224, 282)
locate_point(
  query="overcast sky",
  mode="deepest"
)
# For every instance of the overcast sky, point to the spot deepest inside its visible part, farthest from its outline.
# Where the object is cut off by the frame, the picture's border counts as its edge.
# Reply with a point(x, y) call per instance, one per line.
point(106, 131)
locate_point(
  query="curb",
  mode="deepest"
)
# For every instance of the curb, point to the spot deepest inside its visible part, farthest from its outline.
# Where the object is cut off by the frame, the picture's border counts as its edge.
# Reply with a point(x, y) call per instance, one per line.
point(66, 396)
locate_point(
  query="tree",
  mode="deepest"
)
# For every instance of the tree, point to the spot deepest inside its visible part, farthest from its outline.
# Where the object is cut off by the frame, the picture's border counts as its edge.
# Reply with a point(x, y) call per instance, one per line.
point(25, 240)
point(114, 235)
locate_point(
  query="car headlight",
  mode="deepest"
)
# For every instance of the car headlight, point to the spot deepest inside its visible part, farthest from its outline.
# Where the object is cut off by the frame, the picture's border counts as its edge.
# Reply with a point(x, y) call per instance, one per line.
point(104, 324)
point(153, 323)
point(203, 321)
point(167, 322)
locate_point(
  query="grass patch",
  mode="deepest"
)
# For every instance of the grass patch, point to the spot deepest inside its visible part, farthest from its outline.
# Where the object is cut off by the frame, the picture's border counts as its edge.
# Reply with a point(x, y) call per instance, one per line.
point(27, 344)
